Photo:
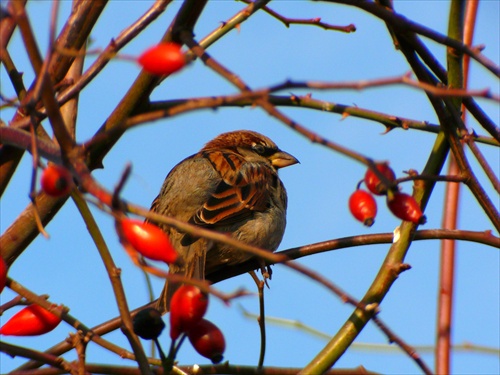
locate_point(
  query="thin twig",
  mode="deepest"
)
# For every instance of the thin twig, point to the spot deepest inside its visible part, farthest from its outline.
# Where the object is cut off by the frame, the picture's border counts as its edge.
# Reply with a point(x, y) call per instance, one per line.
point(404, 25)
point(403, 345)
point(371, 347)
point(113, 274)
point(62, 312)
point(34, 170)
point(302, 21)
point(484, 120)
point(45, 358)
point(441, 74)
point(488, 170)
point(386, 81)
point(261, 319)
point(485, 238)
point(170, 108)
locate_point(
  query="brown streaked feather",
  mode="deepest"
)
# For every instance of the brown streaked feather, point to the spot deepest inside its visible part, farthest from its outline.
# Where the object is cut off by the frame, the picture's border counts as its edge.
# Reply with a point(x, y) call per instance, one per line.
point(243, 190)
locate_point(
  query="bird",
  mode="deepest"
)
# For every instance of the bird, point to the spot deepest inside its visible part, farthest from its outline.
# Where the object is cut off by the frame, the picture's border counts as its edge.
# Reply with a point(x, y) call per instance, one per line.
point(230, 186)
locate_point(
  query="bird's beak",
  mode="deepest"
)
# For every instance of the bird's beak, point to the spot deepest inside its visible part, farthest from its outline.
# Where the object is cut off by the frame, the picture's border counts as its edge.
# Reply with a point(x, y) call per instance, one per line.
point(282, 159)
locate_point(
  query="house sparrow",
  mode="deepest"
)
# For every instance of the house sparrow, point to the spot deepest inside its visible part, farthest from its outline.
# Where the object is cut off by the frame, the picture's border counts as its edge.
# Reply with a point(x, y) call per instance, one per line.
point(232, 186)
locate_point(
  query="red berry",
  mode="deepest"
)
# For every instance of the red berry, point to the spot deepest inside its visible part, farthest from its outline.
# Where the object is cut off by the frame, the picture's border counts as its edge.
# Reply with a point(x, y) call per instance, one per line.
point(148, 240)
point(31, 321)
point(187, 307)
point(56, 181)
point(164, 58)
point(405, 207)
point(363, 207)
point(374, 184)
point(208, 340)
point(3, 274)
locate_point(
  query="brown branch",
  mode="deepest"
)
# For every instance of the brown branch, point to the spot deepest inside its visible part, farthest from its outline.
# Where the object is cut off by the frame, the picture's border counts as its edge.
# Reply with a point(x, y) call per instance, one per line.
point(64, 139)
point(414, 176)
point(452, 122)
point(403, 25)
point(69, 110)
point(68, 318)
point(199, 51)
point(116, 44)
point(490, 173)
point(16, 79)
point(441, 73)
point(115, 280)
point(452, 126)
point(387, 81)
point(186, 18)
point(8, 23)
point(447, 274)
point(485, 238)
point(225, 368)
point(24, 230)
point(19, 14)
point(482, 118)
point(22, 140)
point(170, 108)
point(403, 345)
point(457, 78)
point(44, 358)
point(300, 21)
point(43, 85)
point(269, 108)
point(73, 35)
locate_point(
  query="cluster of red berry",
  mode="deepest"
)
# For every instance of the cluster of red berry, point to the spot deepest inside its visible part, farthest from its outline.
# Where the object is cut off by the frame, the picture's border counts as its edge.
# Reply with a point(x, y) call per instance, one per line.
point(363, 206)
point(187, 309)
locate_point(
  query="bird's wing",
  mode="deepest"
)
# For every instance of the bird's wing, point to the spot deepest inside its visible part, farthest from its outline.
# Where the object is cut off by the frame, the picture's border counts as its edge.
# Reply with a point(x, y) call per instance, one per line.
point(244, 188)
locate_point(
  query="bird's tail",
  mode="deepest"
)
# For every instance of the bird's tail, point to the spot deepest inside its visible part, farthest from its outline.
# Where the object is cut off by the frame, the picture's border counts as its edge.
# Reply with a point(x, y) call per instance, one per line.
point(193, 267)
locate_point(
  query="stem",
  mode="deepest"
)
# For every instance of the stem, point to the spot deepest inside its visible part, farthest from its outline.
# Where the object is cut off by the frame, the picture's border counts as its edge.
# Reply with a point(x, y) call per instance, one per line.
point(447, 276)
point(114, 276)
point(452, 194)
point(166, 362)
point(261, 319)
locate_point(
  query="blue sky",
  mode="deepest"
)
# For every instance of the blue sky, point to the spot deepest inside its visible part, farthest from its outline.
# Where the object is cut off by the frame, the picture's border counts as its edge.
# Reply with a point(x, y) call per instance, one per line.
point(264, 52)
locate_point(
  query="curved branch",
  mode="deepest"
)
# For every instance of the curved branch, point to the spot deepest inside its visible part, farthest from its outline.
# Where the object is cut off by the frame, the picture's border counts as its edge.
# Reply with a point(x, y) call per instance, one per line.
point(170, 108)
point(403, 25)
point(485, 238)
point(301, 21)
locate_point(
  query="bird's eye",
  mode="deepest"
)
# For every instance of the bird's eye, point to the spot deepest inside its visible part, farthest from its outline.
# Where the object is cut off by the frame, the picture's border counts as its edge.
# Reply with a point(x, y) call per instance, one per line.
point(259, 149)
